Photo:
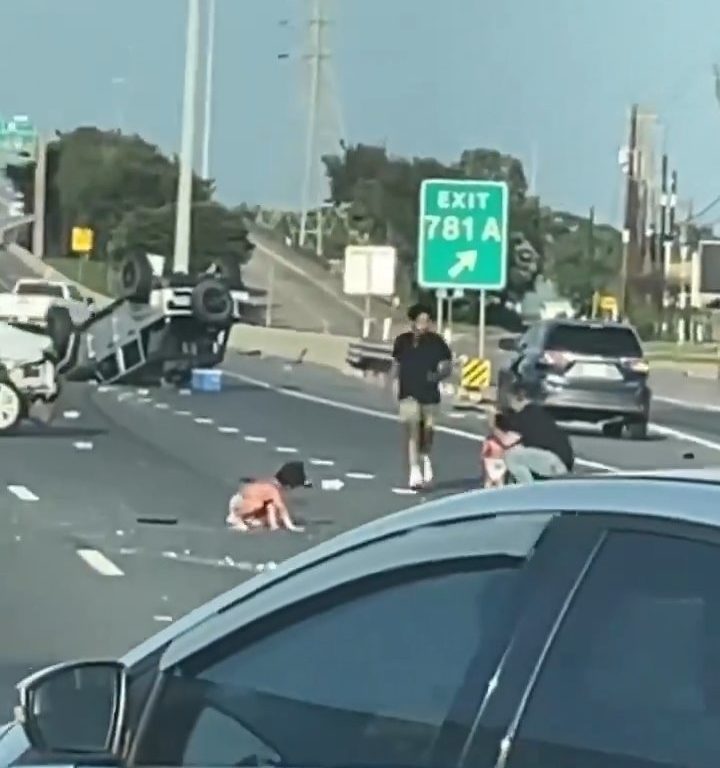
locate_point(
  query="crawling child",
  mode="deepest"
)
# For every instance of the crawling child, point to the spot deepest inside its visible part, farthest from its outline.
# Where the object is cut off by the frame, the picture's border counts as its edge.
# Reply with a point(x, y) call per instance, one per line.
point(260, 504)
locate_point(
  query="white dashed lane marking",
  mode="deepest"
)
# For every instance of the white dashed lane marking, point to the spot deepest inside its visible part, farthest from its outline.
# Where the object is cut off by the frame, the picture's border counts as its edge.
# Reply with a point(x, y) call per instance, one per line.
point(183, 413)
point(162, 406)
point(255, 439)
point(360, 475)
point(163, 619)
point(99, 562)
point(202, 420)
point(285, 449)
point(228, 430)
point(82, 445)
point(22, 493)
point(71, 415)
point(404, 491)
point(322, 462)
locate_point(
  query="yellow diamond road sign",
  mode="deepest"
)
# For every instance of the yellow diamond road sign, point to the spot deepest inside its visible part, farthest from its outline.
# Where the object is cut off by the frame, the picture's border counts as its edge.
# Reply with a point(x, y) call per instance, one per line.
point(82, 239)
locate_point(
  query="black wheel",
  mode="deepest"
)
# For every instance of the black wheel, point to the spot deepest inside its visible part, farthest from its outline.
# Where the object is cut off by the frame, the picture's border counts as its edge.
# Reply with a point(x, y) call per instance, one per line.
point(136, 276)
point(228, 269)
point(11, 406)
point(638, 430)
point(60, 329)
point(613, 429)
point(212, 303)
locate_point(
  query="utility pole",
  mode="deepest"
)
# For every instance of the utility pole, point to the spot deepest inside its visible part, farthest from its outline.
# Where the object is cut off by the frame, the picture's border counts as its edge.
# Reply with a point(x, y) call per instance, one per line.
point(209, 66)
point(316, 56)
point(183, 221)
point(40, 198)
point(629, 235)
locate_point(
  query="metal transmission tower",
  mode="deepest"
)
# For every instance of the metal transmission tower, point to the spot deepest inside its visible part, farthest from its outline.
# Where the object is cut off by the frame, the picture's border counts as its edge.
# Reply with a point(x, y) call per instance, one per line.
point(324, 129)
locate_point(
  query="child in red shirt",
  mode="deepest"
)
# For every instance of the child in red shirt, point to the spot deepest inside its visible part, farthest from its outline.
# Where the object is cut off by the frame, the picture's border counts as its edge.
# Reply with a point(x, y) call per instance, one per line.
point(260, 504)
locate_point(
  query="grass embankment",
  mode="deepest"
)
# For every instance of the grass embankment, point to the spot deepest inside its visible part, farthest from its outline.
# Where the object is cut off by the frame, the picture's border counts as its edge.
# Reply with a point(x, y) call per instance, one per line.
point(91, 274)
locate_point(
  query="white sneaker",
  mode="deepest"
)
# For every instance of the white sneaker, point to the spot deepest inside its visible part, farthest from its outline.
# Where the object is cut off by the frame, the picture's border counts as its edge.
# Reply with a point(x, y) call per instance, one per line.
point(416, 477)
point(427, 470)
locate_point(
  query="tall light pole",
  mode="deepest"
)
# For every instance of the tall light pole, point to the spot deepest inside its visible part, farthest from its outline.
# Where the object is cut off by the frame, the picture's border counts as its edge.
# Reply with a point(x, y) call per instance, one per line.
point(316, 55)
point(207, 118)
point(183, 221)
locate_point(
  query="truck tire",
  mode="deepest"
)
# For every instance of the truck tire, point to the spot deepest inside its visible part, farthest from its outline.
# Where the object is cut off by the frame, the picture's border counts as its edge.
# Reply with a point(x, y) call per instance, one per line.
point(60, 329)
point(212, 303)
point(136, 276)
point(229, 271)
point(11, 406)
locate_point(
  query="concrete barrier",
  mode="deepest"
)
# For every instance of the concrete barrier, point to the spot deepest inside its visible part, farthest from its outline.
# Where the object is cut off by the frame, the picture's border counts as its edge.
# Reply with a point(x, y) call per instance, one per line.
point(320, 348)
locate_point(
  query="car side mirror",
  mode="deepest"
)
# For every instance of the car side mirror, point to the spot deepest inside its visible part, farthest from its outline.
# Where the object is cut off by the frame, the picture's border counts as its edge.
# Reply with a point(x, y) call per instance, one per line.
point(75, 707)
point(509, 344)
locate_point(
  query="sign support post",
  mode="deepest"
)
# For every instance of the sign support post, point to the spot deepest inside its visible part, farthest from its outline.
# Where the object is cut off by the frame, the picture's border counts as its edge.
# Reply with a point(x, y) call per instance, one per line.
point(463, 240)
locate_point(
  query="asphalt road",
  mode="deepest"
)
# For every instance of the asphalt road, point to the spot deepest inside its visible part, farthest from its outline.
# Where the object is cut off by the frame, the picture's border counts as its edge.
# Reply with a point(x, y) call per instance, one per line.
point(112, 519)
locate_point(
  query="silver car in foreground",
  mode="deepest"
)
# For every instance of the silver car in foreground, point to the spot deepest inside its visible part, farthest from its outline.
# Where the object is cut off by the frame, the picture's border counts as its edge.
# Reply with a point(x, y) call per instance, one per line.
point(567, 624)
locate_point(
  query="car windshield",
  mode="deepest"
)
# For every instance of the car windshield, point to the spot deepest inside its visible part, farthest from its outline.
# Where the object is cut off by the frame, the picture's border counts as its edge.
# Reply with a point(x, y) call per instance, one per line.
point(39, 289)
point(594, 340)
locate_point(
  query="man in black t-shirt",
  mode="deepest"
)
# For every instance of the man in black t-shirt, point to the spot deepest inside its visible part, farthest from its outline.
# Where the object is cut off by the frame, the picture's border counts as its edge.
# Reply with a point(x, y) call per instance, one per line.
point(544, 449)
point(421, 359)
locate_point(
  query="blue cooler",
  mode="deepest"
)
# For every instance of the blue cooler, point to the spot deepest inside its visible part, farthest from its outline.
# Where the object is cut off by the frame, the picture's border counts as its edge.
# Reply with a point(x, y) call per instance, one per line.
point(206, 380)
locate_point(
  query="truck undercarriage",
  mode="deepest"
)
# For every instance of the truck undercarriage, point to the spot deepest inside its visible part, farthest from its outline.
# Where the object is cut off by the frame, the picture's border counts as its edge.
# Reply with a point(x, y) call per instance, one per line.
point(157, 331)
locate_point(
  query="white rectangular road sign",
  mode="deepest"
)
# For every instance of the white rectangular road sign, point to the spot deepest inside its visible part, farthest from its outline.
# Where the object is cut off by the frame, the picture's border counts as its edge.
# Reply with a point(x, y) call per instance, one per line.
point(369, 270)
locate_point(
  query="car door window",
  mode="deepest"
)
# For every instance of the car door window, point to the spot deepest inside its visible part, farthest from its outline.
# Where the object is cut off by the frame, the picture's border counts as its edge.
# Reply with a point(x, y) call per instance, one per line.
point(368, 679)
point(632, 679)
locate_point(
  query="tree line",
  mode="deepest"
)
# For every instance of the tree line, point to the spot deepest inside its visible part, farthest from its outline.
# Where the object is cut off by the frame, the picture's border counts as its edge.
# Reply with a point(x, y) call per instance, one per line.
point(124, 189)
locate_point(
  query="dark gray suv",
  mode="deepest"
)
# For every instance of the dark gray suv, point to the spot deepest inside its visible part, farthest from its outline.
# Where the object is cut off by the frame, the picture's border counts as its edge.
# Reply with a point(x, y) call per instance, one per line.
point(582, 371)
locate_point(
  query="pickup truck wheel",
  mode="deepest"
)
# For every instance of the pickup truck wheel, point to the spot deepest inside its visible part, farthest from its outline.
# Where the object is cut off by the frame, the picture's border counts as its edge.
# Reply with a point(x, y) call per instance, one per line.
point(136, 277)
point(60, 329)
point(11, 406)
point(212, 303)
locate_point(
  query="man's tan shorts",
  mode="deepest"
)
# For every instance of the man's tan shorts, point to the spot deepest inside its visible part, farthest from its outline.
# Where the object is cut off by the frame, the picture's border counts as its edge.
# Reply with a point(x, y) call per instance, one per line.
point(412, 412)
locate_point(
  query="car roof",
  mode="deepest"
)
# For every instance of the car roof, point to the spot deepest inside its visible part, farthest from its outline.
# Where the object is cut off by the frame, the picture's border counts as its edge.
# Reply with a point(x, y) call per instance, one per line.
point(682, 495)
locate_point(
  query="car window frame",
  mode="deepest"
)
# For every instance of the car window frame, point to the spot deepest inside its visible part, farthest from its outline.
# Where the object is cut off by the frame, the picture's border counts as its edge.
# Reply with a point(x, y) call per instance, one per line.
point(598, 526)
point(449, 542)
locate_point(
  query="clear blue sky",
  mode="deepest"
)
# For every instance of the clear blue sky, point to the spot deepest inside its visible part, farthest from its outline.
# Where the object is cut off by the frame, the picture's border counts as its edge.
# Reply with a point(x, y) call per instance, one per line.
point(424, 77)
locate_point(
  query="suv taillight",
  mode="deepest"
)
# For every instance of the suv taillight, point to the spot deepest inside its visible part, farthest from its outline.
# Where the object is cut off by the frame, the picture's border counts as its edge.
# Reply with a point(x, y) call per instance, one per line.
point(636, 364)
point(557, 360)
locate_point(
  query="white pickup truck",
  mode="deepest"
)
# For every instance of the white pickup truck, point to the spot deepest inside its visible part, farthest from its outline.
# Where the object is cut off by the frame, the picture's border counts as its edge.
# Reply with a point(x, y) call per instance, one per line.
point(28, 302)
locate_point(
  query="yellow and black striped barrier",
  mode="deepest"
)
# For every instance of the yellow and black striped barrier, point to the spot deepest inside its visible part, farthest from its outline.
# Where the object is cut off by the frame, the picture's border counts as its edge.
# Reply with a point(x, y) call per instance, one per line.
point(475, 374)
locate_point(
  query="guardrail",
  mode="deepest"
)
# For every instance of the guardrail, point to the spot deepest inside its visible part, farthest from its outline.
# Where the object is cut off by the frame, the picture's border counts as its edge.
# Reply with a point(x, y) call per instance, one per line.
point(372, 356)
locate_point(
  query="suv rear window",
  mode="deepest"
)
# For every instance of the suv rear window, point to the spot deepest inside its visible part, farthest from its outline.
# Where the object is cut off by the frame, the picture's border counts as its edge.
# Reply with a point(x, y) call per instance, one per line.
point(594, 340)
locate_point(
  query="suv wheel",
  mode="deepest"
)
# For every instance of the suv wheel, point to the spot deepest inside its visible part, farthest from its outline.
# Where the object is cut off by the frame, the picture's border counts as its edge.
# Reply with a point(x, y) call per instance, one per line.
point(638, 430)
point(613, 429)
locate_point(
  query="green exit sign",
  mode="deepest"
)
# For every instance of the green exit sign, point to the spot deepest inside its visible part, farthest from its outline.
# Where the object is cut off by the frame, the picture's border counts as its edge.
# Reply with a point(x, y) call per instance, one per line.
point(463, 234)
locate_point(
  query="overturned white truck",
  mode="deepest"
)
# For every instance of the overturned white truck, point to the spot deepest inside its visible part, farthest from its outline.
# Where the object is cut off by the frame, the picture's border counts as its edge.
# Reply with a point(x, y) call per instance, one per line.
point(158, 330)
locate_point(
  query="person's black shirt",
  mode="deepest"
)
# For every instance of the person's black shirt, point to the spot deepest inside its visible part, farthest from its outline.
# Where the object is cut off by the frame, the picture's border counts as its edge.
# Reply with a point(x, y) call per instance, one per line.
point(539, 430)
point(418, 357)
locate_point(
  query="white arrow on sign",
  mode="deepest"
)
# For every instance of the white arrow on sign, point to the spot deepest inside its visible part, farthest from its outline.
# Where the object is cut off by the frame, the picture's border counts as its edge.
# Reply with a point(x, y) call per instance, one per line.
point(465, 260)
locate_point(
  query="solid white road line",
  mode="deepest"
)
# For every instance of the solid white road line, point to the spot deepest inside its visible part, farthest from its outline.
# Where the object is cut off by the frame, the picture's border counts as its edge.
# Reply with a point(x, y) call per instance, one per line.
point(362, 410)
point(23, 493)
point(660, 429)
point(99, 562)
point(687, 404)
